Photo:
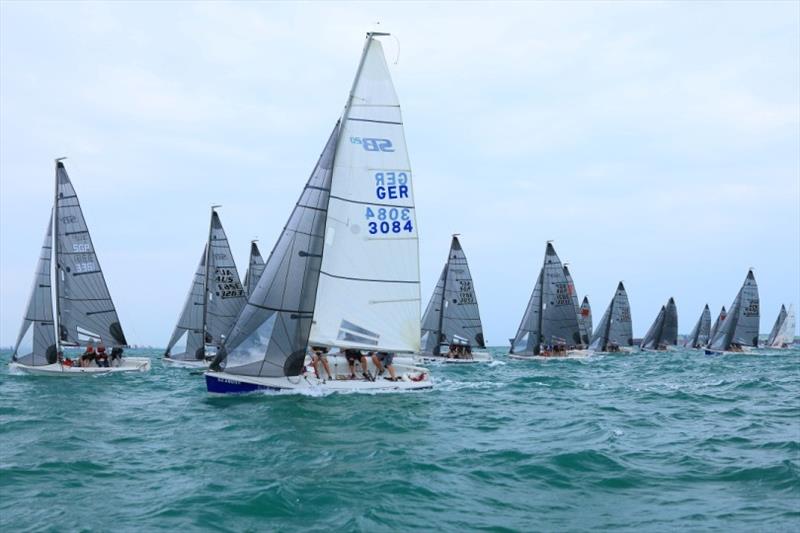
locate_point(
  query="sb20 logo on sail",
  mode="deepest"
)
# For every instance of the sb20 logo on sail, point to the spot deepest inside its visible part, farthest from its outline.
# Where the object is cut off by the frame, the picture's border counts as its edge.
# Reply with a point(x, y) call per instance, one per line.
point(373, 145)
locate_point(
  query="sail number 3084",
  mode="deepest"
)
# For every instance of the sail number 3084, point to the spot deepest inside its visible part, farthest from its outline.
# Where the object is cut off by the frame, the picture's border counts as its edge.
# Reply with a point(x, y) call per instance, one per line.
point(388, 220)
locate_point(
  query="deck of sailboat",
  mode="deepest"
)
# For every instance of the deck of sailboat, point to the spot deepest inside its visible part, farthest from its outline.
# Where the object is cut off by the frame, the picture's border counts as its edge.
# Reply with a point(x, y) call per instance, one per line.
point(128, 364)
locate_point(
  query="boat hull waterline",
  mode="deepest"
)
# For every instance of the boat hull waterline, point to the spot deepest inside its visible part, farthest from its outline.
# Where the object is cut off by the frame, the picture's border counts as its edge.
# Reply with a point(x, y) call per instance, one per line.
point(129, 364)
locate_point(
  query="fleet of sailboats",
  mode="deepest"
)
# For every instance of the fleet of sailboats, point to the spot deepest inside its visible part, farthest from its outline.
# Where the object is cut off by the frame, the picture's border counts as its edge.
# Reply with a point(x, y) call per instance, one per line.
point(311, 295)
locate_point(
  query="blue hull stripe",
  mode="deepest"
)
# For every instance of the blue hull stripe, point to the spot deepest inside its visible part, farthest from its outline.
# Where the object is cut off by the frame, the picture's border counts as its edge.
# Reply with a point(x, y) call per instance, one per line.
point(229, 386)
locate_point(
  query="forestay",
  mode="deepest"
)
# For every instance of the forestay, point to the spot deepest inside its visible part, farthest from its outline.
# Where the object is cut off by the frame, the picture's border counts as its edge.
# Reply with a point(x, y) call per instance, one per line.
point(452, 315)
point(270, 336)
point(615, 327)
point(86, 311)
point(190, 322)
point(700, 332)
point(254, 269)
point(39, 314)
point(368, 295)
point(742, 322)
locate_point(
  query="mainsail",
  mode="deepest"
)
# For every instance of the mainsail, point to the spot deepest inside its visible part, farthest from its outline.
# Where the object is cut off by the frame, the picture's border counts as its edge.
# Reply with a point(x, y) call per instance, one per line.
point(717, 323)
point(38, 319)
point(584, 335)
point(254, 269)
point(85, 309)
point(664, 331)
point(550, 317)
point(586, 316)
point(368, 295)
point(778, 322)
point(615, 328)
point(700, 332)
point(345, 270)
point(452, 315)
point(226, 296)
point(740, 327)
point(784, 336)
point(190, 323)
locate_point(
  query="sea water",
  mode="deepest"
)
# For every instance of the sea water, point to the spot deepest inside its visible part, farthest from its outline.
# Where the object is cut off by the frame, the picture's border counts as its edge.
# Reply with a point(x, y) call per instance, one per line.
point(642, 442)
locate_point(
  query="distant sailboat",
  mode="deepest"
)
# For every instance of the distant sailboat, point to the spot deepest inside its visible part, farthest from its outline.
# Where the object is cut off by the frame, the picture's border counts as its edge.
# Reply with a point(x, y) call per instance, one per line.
point(782, 334)
point(717, 323)
point(740, 328)
point(701, 330)
point(215, 299)
point(255, 267)
point(345, 271)
point(664, 331)
point(84, 310)
point(586, 316)
point(451, 325)
point(614, 333)
point(550, 323)
point(574, 294)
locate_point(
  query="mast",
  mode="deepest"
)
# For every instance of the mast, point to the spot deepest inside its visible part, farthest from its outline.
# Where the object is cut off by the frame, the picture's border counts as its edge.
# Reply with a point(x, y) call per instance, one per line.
point(57, 317)
point(438, 349)
point(205, 278)
point(537, 349)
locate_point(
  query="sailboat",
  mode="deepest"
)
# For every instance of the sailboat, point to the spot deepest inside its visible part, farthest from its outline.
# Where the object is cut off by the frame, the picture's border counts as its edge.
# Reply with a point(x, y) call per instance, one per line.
point(701, 330)
point(451, 325)
point(84, 311)
point(663, 333)
point(782, 334)
point(717, 323)
point(739, 330)
point(614, 333)
point(550, 324)
point(255, 267)
point(344, 273)
point(574, 294)
point(215, 298)
point(586, 316)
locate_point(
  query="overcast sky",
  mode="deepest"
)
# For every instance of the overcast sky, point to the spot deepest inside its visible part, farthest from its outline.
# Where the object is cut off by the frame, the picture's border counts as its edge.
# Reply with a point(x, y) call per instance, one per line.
point(655, 143)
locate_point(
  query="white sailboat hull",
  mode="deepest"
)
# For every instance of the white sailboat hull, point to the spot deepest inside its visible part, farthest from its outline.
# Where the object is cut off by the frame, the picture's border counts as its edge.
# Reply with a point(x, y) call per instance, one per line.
point(411, 378)
point(128, 364)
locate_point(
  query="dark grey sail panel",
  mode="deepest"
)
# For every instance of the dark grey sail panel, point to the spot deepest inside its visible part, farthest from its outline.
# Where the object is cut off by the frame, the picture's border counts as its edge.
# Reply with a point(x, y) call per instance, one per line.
point(669, 332)
point(190, 322)
point(776, 328)
point(226, 296)
point(559, 316)
point(717, 323)
point(652, 338)
point(86, 311)
point(39, 313)
point(431, 337)
point(461, 319)
point(270, 335)
point(255, 268)
point(700, 332)
point(586, 317)
point(742, 322)
point(584, 335)
point(616, 326)
point(528, 337)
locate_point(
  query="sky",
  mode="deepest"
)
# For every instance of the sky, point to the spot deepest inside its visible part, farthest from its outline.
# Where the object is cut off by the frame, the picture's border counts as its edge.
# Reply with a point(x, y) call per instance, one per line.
point(655, 143)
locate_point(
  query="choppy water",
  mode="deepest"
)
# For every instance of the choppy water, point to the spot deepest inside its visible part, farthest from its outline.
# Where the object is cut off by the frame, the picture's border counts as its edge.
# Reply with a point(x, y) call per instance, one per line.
point(643, 443)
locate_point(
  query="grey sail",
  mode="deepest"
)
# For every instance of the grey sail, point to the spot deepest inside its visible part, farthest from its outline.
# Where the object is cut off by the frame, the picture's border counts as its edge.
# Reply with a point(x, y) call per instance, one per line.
point(270, 335)
point(190, 323)
point(226, 296)
point(254, 269)
point(740, 327)
point(669, 333)
point(586, 316)
point(452, 315)
point(584, 335)
point(86, 311)
point(652, 337)
point(551, 317)
point(717, 323)
point(776, 328)
point(615, 328)
point(528, 337)
point(38, 328)
point(701, 330)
